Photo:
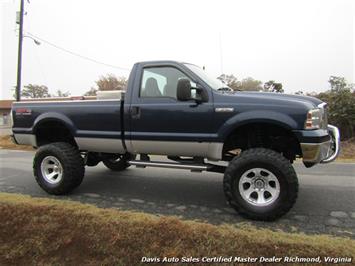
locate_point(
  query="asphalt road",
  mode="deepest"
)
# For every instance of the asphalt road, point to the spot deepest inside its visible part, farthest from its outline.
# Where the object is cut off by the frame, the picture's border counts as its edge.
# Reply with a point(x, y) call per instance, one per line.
point(326, 202)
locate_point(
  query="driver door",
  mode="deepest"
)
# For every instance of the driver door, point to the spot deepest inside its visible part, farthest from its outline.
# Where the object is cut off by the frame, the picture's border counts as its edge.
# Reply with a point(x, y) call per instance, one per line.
point(160, 124)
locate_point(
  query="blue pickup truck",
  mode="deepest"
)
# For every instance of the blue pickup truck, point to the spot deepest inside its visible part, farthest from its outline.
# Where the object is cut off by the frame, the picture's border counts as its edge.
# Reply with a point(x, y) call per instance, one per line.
point(194, 122)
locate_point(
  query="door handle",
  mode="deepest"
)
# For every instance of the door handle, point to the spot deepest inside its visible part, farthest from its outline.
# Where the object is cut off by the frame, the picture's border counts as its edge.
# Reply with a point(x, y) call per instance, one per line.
point(135, 112)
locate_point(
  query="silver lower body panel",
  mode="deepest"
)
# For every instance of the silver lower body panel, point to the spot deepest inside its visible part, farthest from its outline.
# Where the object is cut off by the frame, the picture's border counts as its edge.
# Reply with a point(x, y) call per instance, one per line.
point(209, 150)
point(25, 139)
point(100, 145)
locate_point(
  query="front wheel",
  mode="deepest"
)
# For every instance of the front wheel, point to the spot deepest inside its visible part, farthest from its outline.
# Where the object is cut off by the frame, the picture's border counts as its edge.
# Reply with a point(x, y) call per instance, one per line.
point(260, 184)
point(58, 168)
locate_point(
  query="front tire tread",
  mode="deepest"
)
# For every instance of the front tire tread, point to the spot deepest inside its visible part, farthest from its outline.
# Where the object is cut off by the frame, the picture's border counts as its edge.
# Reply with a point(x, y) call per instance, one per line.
point(272, 157)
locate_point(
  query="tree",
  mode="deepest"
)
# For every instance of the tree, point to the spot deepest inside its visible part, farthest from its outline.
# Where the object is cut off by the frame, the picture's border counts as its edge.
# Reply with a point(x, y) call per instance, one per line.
point(61, 94)
point(35, 91)
point(341, 105)
point(111, 82)
point(247, 84)
point(272, 86)
point(91, 92)
point(230, 80)
point(338, 84)
point(14, 92)
point(108, 83)
point(250, 84)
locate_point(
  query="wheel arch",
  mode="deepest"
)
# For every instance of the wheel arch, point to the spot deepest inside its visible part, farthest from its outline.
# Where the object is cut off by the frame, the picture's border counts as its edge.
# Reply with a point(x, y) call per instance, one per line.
point(259, 132)
point(256, 117)
point(54, 127)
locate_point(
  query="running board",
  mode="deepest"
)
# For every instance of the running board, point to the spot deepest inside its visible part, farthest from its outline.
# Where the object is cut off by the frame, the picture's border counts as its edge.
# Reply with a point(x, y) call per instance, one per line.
point(192, 167)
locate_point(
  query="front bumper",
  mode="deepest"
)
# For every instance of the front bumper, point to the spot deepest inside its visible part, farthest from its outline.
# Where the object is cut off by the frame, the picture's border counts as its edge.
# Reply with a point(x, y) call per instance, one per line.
point(322, 152)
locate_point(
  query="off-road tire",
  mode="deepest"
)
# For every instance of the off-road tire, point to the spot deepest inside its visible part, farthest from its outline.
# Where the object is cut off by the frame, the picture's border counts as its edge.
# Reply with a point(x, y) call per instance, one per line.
point(273, 162)
point(72, 164)
point(118, 165)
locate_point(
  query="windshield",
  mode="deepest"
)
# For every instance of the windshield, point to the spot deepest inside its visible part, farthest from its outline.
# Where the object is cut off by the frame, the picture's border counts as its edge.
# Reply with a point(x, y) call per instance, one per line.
point(214, 83)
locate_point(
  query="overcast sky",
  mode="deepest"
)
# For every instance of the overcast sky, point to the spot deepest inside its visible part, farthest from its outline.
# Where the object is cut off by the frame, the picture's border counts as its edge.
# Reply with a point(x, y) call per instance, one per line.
point(299, 43)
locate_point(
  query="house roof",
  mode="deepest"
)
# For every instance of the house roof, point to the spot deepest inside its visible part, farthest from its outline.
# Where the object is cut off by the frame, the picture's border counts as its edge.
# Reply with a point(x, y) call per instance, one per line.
point(5, 104)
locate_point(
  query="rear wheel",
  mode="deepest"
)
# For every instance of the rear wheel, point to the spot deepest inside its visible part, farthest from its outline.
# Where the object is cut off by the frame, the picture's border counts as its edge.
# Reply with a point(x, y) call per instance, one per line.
point(261, 184)
point(117, 162)
point(58, 168)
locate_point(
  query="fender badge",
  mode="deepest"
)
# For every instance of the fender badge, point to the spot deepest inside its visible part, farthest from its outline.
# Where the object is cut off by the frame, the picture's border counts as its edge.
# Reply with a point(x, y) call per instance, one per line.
point(23, 111)
point(224, 109)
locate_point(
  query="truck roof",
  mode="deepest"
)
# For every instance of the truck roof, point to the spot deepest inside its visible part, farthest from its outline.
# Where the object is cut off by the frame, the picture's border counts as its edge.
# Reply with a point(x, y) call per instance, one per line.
point(157, 62)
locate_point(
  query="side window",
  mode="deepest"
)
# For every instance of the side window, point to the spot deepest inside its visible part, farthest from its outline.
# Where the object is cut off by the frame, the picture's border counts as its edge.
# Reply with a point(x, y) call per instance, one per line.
point(152, 84)
point(161, 82)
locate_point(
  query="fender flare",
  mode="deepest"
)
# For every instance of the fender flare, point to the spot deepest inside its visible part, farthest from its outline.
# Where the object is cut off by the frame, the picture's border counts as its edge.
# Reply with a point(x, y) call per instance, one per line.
point(54, 117)
point(251, 117)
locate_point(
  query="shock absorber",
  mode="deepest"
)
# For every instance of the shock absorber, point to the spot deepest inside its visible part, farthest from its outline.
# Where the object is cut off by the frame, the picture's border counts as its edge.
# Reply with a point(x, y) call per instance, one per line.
point(259, 137)
point(255, 137)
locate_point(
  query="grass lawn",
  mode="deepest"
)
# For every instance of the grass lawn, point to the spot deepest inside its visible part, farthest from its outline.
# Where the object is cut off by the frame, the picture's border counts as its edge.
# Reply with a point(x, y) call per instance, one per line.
point(37, 231)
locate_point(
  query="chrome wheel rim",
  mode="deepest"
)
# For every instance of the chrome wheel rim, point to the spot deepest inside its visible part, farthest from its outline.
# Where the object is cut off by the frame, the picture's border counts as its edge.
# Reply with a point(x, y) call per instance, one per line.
point(259, 187)
point(52, 170)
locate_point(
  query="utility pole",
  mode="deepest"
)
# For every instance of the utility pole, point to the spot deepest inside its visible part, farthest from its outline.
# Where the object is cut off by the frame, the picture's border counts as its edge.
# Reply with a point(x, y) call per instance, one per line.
point(19, 58)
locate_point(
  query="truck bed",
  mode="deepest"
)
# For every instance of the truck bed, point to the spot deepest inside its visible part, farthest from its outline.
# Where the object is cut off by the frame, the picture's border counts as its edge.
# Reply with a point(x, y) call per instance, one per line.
point(93, 123)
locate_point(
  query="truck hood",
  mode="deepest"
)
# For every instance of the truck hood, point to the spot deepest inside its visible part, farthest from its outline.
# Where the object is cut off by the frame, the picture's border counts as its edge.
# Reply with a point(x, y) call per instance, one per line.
point(276, 97)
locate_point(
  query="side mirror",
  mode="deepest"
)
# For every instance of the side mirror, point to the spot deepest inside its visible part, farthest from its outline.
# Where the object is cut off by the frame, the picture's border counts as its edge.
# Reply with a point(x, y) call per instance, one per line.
point(183, 91)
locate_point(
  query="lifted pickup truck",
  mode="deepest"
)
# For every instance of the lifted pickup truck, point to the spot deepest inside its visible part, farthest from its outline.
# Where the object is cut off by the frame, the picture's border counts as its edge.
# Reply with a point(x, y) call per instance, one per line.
point(176, 110)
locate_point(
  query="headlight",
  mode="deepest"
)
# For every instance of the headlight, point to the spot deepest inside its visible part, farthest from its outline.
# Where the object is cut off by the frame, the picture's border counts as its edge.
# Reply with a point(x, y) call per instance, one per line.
point(314, 119)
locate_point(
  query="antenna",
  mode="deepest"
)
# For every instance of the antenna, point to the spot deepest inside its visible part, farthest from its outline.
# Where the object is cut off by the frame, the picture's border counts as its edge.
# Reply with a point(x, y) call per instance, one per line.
point(221, 51)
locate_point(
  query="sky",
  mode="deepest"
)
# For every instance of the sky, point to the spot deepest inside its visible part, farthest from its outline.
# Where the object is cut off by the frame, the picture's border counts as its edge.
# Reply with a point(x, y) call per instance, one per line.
point(298, 43)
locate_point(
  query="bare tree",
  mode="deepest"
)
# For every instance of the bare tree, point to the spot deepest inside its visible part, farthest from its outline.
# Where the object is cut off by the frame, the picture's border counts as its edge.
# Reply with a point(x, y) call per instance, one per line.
point(111, 82)
point(108, 83)
point(61, 94)
point(35, 91)
point(272, 86)
point(91, 92)
point(230, 80)
point(250, 84)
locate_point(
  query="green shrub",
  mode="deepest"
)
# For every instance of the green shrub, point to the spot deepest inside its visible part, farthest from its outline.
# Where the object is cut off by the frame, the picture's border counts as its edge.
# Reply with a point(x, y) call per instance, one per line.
point(341, 110)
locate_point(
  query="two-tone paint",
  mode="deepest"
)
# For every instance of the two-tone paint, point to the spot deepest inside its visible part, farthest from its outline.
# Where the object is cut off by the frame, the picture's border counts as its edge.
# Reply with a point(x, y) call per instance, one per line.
point(166, 126)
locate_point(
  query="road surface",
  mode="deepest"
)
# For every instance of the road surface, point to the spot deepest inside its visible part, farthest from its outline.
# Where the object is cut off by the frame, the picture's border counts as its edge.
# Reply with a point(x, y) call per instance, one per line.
point(326, 201)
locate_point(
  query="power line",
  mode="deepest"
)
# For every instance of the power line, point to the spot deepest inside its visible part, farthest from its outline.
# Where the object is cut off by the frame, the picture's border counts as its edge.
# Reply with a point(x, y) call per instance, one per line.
point(36, 54)
point(76, 54)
